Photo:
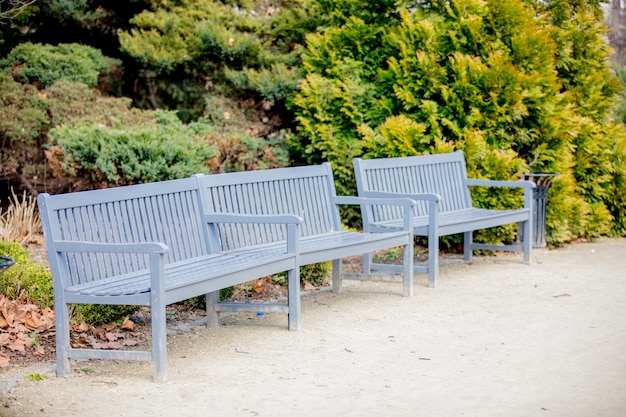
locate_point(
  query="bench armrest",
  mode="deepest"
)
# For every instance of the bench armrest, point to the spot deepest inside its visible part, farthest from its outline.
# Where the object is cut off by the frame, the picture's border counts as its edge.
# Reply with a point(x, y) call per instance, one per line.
point(156, 251)
point(415, 197)
point(500, 183)
point(390, 199)
point(292, 223)
point(253, 218)
point(82, 246)
point(526, 185)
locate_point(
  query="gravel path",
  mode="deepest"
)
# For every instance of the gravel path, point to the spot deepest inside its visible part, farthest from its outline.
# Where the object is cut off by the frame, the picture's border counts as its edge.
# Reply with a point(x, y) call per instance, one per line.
point(496, 338)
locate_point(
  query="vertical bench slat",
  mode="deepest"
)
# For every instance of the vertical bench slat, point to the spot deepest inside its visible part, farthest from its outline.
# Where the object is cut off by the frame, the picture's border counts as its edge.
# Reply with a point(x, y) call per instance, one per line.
point(81, 259)
point(119, 218)
point(93, 229)
point(256, 196)
point(177, 230)
point(421, 186)
point(164, 210)
point(136, 217)
point(91, 259)
point(95, 222)
point(241, 228)
point(310, 205)
point(268, 189)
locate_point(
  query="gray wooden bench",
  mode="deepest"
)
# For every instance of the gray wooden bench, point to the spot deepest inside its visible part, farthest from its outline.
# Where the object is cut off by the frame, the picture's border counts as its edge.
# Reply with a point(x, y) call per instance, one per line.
point(308, 192)
point(149, 245)
point(440, 186)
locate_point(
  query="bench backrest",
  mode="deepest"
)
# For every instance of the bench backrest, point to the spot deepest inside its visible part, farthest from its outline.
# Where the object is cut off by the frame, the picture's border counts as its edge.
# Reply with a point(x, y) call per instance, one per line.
point(442, 174)
point(168, 212)
point(307, 191)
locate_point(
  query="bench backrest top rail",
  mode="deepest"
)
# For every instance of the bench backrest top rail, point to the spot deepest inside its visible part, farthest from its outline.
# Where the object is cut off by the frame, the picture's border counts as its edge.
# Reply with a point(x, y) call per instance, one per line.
point(442, 174)
point(168, 212)
point(307, 192)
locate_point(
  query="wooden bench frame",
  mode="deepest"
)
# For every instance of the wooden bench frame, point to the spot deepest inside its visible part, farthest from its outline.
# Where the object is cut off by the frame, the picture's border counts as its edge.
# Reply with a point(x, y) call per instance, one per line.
point(308, 192)
point(149, 245)
point(440, 186)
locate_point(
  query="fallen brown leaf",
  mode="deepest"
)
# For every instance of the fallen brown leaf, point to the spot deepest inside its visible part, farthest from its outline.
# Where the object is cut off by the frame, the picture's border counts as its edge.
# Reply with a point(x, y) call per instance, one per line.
point(34, 323)
point(80, 327)
point(128, 324)
point(112, 337)
point(113, 345)
point(4, 360)
point(17, 345)
point(257, 285)
point(107, 327)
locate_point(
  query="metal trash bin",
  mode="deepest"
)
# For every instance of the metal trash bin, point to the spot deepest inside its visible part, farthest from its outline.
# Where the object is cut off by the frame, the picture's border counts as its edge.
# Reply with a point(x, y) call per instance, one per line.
point(540, 200)
point(5, 262)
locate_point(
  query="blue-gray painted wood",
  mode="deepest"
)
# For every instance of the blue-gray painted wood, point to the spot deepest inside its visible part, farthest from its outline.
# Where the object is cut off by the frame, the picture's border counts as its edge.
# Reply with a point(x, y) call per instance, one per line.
point(150, 245)
point(308, 192)
point(441, 189)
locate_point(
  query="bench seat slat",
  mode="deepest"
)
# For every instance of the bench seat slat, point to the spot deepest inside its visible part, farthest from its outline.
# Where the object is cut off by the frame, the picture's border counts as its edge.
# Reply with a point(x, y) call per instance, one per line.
point(343, 243)
point(461, 220)
point(179, 274)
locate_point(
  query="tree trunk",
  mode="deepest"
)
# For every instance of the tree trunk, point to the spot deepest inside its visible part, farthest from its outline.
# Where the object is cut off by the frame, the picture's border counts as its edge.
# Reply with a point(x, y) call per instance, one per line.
point(617, 22)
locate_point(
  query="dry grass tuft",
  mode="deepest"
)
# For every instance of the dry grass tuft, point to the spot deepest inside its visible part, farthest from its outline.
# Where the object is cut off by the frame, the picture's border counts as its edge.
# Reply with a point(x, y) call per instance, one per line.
point(21, 223)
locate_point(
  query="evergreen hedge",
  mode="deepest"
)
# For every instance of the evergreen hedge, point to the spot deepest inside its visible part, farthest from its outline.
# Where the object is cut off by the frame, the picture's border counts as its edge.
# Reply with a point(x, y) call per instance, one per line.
point(519, 86)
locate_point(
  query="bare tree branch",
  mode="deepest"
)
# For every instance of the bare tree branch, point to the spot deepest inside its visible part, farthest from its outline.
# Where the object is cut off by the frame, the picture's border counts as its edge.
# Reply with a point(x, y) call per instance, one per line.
point(11, 8)
point(151, 95)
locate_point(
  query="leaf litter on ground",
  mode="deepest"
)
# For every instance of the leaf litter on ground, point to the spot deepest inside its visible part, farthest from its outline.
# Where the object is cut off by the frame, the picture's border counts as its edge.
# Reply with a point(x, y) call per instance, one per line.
point(24, 326)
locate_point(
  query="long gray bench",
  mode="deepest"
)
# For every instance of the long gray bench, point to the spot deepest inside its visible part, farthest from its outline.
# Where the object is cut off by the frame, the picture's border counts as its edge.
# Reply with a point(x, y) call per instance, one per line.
point(441, 187)
point(308, 192)
point(149, 245)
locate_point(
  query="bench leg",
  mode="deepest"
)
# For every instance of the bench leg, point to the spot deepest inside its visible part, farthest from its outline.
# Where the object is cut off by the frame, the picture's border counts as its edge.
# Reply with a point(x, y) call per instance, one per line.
point(293, 282)
point(367, 263)
point(528, 241)
point(159, 339)
point(467, 246)
point(336, 275)
point(62, 323)
point(433, 260)
point(212, 316)
point(407, 273)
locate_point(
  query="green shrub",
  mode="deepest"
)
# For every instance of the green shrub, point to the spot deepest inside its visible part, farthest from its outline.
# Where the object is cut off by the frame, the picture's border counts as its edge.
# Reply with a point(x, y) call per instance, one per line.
point(23, 115)
point(100, 313)
point(240, 138)
point(316, 274)
point(149, 152)
point(47, 64)
point(25, 278)
point(69, 102)
point(272, 84)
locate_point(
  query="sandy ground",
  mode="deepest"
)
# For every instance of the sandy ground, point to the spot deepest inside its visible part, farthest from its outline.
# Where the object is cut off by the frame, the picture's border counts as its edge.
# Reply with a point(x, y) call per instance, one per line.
point(496, 338)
